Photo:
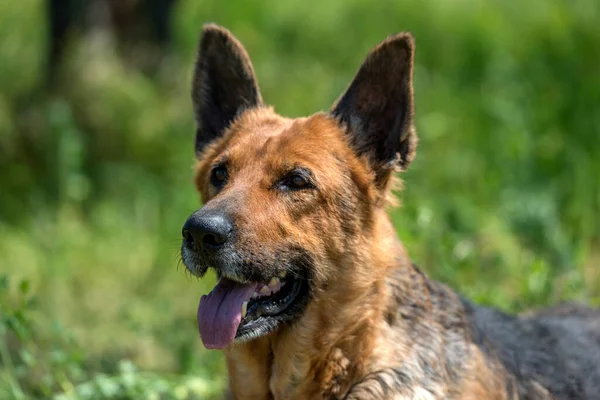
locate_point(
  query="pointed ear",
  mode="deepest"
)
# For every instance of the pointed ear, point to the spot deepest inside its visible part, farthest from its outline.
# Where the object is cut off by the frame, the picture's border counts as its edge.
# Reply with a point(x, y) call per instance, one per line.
point(224, 84)
point(377, 108)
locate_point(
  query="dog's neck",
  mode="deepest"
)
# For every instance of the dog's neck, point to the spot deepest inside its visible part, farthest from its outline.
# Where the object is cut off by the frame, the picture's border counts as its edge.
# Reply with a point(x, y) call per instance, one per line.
point(321, 355)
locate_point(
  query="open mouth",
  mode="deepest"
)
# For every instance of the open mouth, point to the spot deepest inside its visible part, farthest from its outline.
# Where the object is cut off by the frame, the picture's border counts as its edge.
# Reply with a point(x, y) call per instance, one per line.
point(238, 312)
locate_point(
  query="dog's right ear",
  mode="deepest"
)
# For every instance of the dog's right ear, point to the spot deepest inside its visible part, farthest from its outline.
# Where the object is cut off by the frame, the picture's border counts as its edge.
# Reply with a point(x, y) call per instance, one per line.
point(224, 84)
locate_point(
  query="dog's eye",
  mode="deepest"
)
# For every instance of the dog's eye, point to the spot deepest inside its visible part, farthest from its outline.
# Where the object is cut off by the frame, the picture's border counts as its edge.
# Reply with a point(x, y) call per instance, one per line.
point(297, 180)
point(218, 176)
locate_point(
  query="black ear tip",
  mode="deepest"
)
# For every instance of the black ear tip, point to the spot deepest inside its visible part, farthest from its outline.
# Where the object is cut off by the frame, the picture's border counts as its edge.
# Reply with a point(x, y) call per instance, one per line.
point(213, 33)
point(403, 42)
point(212, 28)
point(404, 38)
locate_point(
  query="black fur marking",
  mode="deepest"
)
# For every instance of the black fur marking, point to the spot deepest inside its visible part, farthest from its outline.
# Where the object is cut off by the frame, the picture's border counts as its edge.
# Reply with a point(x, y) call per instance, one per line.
point(560, 353)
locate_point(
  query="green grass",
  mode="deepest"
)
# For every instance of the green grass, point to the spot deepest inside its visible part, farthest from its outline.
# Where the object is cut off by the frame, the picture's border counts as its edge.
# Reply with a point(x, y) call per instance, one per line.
point(502, 202)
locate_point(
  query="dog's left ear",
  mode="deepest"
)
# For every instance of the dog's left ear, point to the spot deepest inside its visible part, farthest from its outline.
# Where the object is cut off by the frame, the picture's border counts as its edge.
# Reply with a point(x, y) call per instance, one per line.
point(377, 108)
point(224, 84)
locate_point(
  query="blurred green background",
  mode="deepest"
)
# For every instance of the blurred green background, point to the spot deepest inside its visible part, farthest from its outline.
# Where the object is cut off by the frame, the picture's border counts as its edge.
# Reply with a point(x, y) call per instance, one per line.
point(502, 202)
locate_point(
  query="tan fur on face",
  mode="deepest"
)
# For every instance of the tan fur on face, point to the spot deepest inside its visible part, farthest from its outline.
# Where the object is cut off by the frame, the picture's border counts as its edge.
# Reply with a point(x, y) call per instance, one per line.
point(259, 148)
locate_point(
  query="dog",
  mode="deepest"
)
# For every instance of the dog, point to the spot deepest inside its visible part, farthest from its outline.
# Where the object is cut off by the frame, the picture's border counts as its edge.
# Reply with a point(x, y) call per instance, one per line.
point(316, 296)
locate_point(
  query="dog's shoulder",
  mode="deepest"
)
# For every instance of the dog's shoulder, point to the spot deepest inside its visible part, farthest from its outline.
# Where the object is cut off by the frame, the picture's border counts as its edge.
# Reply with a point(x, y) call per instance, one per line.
point(557, 348)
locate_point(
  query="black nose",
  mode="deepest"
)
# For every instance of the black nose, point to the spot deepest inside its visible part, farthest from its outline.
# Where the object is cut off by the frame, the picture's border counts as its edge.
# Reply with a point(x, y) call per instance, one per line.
point(206, 230)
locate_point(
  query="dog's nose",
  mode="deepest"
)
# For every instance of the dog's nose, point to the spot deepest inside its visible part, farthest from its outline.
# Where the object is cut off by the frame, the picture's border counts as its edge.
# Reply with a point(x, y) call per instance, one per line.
point(208, 231)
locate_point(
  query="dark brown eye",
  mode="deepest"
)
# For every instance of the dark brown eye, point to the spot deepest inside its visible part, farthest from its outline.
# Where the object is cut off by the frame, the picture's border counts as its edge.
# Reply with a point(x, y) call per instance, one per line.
point(298, 179)
point(298, 182)
point(218, 176)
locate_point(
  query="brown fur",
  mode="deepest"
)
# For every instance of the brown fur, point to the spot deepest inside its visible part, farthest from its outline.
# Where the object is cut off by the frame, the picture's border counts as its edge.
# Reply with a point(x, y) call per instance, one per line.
point(375, 327)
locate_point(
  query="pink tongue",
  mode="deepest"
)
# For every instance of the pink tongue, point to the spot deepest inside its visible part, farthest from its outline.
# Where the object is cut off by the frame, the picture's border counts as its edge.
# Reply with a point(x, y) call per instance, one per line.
point(220, 312)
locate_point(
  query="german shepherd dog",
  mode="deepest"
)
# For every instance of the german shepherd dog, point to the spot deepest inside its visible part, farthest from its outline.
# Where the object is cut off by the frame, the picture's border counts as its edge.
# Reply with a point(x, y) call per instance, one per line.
point(316, 297)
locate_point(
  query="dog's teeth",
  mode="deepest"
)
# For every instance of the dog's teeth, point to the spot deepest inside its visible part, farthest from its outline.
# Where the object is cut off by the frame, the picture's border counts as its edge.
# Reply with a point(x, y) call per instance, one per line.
point(265, 291)
point(273, 282)
point(244, 308)
point(254, 295)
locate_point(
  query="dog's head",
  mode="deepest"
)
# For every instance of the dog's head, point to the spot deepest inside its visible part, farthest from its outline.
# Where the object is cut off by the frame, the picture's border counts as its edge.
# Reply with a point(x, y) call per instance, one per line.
point(289, 204)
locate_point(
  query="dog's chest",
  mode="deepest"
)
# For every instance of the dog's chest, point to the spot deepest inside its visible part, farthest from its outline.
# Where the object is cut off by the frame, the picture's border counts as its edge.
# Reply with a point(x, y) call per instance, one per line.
point(288, 373)
point(303, 375)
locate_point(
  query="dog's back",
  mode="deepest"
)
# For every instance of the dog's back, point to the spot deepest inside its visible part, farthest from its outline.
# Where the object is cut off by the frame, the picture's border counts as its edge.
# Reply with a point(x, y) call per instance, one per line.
point(466, 351)
point(557, 348)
